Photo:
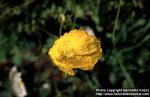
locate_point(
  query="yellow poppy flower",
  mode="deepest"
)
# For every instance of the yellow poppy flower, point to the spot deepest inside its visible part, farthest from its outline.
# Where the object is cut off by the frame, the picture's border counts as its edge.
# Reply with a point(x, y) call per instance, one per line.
point(76, 49)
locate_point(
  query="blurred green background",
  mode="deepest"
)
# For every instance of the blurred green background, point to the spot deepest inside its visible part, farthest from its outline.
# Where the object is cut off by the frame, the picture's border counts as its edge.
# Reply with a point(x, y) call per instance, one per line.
point(28, 28)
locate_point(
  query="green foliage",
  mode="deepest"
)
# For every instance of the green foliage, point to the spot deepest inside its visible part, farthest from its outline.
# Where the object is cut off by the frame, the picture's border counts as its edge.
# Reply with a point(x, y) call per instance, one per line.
point(28, 28)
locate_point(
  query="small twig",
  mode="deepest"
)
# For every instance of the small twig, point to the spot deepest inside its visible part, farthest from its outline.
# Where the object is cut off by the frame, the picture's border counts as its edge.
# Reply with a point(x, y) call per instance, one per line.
point(134, 46)
point(8, 13)
point(48, 33)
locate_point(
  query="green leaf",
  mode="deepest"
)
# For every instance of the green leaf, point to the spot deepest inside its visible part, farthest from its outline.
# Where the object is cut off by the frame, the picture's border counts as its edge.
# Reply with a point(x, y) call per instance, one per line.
point(50, 41)
point(125, 84)
point(112, 78)
point(17, 59)
point(5, 94)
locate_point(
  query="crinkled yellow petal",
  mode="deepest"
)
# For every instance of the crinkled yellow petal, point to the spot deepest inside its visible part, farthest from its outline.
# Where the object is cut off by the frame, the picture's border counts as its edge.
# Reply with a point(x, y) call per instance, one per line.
point(55, 58)
point(76, 49)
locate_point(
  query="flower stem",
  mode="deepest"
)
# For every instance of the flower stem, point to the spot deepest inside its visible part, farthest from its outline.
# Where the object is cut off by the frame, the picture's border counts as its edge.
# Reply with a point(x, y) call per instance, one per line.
point(60, 29)
point(126, 75)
